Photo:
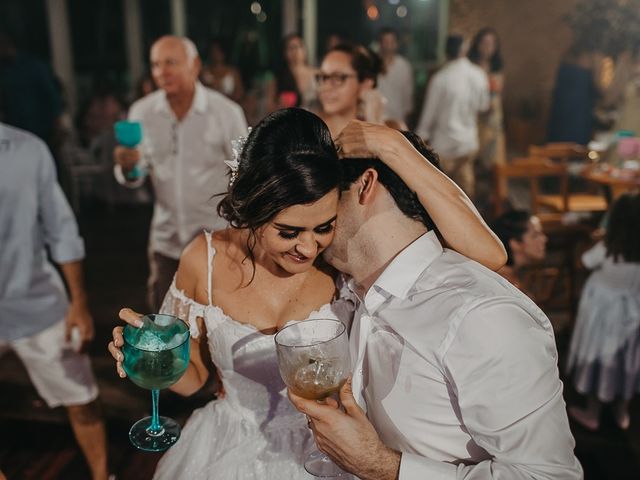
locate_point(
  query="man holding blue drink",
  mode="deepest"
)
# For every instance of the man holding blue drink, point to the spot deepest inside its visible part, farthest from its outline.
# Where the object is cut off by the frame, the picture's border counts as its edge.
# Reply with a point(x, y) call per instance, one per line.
point(179, 136)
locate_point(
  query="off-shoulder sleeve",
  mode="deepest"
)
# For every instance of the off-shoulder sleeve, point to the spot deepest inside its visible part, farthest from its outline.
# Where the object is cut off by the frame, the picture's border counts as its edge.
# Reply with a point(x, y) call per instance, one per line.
point(176, 303)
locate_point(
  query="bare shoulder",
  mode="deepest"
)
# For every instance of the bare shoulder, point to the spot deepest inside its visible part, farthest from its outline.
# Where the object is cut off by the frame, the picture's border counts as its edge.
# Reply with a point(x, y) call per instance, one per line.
point(192, 270)
point(227, 243)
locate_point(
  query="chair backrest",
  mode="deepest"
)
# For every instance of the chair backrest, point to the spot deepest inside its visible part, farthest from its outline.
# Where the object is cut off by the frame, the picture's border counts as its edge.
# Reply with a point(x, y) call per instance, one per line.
point(532, 169)
point(561, 152)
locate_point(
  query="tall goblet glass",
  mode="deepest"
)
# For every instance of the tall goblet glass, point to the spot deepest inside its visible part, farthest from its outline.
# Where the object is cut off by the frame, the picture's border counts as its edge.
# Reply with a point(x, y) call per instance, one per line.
point(156, 355)
point(314, 362)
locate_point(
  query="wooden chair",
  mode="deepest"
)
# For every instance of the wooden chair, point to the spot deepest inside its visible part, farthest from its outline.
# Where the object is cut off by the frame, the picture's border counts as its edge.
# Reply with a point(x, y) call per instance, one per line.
point(558, 278)
point(534, 169)
point(589, 199)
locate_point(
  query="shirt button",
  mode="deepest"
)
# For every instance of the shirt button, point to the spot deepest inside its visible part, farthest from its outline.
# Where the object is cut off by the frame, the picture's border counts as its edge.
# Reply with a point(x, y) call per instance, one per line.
point(360, 372)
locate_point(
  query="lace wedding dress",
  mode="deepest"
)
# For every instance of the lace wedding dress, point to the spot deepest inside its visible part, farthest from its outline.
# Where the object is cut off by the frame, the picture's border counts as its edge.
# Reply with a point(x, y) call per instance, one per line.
point(253, 432)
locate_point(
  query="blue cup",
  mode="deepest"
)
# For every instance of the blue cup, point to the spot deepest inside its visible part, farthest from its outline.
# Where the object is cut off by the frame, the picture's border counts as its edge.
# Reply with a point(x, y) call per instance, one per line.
point(129, 134)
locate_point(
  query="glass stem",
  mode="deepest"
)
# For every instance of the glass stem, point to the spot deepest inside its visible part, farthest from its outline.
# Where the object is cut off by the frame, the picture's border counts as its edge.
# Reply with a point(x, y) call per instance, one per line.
point(155, 428)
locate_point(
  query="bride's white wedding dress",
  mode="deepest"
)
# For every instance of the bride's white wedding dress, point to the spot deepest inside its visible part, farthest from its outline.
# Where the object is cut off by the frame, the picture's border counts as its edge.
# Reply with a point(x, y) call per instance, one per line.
point(253, 432)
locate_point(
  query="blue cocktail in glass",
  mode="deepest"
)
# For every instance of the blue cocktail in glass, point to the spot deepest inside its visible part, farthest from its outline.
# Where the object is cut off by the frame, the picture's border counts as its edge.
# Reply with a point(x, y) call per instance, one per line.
point(156, 355)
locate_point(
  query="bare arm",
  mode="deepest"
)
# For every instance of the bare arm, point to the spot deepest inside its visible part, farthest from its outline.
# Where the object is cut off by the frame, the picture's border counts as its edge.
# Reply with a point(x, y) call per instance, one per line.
point(452, 211)
point(187, 279)
point(197, 371)
point(65, 245)
point(78, 314)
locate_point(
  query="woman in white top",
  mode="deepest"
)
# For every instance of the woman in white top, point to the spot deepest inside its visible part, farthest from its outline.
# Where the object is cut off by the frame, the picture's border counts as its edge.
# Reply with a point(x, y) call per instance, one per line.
point(604, 357)
point(239, 286)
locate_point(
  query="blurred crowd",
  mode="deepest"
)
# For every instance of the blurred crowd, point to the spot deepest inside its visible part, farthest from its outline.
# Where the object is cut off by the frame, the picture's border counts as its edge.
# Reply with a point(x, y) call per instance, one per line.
point(193, 108)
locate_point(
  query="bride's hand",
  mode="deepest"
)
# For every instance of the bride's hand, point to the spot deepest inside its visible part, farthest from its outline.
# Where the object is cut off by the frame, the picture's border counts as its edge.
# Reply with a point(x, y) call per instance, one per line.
point(365, 140)
point(132, 318)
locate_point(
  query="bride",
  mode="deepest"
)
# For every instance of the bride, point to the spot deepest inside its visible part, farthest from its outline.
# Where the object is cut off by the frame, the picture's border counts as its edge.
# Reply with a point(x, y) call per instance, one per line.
point(239, 286)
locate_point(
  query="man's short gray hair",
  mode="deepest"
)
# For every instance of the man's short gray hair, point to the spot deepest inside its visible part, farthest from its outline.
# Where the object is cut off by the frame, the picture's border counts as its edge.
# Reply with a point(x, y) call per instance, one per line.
point(190, 49)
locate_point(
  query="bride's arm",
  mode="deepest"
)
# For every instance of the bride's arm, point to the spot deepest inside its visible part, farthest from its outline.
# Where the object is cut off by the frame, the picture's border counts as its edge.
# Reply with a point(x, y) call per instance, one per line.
point(197, 371)
point(457, 219)
point(190, 271)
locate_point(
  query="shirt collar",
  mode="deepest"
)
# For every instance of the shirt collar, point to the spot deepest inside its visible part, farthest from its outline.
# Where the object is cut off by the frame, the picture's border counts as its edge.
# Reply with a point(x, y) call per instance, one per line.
point(460, 61)
point(405, 269)
point(199, 101)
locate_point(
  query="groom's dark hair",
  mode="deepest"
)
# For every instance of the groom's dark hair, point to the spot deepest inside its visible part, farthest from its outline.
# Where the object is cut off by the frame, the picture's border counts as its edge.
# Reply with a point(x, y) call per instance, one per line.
point(406, 199)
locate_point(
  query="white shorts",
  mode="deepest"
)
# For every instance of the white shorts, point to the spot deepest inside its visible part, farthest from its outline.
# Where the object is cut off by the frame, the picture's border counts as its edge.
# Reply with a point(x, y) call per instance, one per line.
point(61, 375)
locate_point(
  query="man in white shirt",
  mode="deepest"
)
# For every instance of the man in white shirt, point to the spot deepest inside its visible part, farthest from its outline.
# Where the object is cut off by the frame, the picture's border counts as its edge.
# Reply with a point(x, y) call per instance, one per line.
point(457, 94)
point(457, 370)
point(396, 84)
point(187, 134)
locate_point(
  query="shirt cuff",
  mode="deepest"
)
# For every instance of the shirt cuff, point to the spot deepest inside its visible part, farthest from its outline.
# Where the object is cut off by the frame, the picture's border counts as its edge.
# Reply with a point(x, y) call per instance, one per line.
point(415, 467)
point(122, 180)
point(67, 250)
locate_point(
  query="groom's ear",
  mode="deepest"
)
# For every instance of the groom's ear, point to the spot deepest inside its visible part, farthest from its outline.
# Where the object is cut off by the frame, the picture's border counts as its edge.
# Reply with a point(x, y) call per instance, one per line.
point(367, 186)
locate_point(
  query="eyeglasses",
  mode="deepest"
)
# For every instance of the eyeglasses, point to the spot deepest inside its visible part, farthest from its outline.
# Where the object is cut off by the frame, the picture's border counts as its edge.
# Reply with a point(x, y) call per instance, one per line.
point(333, 79)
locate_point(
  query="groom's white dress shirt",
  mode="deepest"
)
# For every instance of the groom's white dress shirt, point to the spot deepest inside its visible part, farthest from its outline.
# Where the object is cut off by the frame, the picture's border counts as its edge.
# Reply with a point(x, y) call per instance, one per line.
point(458, 371)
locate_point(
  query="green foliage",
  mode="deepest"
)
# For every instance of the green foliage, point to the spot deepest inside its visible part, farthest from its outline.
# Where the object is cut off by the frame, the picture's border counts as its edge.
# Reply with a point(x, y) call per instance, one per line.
point(608, 26)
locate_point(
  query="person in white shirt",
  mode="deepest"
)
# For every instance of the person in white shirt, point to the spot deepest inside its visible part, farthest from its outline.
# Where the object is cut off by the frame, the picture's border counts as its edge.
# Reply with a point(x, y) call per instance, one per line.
point(187, 134)
point(457, 369)
point(449, 121)
point(44, 320)
point(396, 84)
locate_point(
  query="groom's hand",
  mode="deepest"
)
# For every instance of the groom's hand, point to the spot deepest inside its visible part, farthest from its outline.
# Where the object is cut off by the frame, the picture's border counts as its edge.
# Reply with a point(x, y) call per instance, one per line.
point(348, 437)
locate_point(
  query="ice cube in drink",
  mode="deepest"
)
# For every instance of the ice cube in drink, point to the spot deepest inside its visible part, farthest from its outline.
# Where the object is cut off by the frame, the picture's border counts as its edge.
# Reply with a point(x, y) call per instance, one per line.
point(317, 379)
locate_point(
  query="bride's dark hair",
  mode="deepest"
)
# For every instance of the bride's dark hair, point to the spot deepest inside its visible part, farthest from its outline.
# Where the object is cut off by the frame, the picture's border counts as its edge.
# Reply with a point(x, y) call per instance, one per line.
point(288, 159)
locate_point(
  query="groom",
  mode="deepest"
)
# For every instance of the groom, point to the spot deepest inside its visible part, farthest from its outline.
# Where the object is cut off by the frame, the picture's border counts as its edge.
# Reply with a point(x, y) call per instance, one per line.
point(455, 369)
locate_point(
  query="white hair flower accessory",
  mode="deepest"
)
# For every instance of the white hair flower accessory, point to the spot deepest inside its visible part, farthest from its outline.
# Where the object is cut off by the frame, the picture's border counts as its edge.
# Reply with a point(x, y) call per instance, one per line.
point(236, 147)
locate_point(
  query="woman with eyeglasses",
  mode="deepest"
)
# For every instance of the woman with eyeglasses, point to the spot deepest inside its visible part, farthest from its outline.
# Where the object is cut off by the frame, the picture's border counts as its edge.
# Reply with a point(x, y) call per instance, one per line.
point(347, 87)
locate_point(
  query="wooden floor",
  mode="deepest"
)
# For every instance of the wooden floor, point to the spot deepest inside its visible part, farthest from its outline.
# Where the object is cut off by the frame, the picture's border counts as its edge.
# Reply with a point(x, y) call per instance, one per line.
point(36, 443)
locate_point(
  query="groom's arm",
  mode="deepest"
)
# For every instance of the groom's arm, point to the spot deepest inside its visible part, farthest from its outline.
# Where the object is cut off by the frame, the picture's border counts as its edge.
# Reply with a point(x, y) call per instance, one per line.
point(503, 368)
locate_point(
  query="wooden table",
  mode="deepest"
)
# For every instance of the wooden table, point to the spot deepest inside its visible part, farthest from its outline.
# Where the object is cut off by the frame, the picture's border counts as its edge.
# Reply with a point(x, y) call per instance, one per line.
point(615, 184)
